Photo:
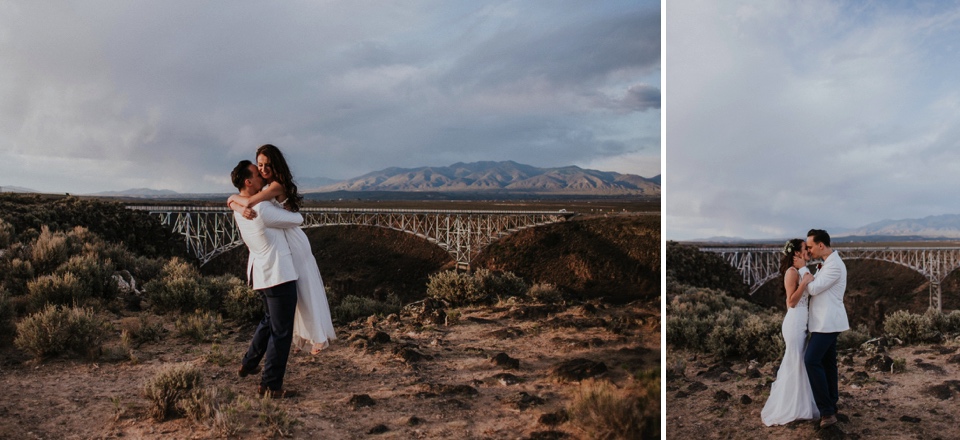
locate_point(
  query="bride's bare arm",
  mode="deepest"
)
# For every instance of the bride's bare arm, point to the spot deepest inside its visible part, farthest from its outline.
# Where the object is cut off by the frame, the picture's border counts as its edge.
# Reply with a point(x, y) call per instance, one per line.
point(273, 190)
point(794, 291)
point(238, 203)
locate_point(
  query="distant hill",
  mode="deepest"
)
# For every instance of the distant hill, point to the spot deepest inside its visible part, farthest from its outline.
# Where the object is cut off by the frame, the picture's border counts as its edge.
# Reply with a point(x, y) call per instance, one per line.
point(505, 176)
point(16, 189)
point(139, 192)
point(934, 226)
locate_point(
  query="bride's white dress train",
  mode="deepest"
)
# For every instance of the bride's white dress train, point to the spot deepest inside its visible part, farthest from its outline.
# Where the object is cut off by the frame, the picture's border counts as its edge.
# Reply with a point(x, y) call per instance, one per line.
point(791, 397)
point(312, 324)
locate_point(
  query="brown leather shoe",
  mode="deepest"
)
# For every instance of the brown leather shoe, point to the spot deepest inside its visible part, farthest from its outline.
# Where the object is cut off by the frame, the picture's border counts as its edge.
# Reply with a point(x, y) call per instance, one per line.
point(827, 421)
point(243, 372)
point(276, 394)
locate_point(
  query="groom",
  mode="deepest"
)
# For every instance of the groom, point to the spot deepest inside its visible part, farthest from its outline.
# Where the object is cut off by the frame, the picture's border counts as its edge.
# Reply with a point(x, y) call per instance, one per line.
point(827, 319)
point(271, 271)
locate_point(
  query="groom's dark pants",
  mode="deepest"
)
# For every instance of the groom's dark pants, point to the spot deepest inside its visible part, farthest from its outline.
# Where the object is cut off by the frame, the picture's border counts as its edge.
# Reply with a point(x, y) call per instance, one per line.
point(274, 335)
point(821, 361)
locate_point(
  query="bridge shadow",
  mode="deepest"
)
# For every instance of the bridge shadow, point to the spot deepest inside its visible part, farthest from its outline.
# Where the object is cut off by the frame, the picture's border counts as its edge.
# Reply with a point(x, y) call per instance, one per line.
point(364, 261)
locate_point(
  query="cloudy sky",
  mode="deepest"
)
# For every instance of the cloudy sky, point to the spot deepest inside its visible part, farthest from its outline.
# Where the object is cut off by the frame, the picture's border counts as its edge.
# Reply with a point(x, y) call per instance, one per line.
point(111, 95)
point(786, 115)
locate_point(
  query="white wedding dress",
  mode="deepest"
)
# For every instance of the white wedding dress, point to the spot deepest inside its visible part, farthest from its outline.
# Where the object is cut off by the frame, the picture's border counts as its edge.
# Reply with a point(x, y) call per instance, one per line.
point(312, 324)
point(791, 397)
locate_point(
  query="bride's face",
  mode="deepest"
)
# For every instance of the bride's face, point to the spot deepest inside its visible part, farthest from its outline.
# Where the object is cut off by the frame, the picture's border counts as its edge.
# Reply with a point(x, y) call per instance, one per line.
point(263, 164)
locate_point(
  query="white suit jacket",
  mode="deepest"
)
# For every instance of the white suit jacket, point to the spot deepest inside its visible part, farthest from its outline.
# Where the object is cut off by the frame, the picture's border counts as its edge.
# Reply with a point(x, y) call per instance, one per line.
point(827, 313)
point(270, 262)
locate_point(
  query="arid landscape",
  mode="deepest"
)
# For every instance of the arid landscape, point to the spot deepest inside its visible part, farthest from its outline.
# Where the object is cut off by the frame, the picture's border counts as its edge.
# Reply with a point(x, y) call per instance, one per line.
point(898, 368)
point(517, 367)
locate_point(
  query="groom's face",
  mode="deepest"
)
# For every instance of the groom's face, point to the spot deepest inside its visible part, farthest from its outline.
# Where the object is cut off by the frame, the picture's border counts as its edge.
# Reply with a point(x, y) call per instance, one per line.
point(255, 182)
point(814, 248)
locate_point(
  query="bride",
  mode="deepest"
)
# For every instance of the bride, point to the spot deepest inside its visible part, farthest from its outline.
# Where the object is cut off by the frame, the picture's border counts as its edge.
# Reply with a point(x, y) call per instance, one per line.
point(312, 324)
point(791, 397)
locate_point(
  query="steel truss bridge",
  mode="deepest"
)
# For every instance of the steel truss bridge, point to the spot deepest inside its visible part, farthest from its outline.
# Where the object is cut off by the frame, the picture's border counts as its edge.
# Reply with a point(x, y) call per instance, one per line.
point(211, 231)
point(760, 265)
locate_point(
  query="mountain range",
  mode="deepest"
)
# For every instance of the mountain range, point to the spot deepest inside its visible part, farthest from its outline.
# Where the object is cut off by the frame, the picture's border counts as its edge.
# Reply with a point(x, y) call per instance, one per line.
point(934, 226)
point(507, 176)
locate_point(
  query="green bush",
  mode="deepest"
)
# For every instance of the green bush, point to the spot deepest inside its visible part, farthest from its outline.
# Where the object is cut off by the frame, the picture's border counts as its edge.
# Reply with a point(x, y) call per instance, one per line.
point(172, 385)
point(910, 327)
point(7, 234)
point(56, 329)
point(16, 273)
point(545, 293)
point(483, 286)
point(6, 317)
point(853, 338)
point(201, 326)
point(502, 285)
point(243, 304)
point(95, 275)
point(178, 288)
point(353, 307)
point(711, 321)
point(48, 251)
point(141, 330)
point(65, 289)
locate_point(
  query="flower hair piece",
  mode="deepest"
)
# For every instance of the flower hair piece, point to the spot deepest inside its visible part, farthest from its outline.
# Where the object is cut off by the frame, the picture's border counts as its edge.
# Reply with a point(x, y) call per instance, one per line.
point(788, 248)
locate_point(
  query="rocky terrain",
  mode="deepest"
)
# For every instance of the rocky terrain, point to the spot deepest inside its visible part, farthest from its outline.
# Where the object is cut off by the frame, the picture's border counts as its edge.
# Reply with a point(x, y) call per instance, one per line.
point(507, 371)
point(714, 398)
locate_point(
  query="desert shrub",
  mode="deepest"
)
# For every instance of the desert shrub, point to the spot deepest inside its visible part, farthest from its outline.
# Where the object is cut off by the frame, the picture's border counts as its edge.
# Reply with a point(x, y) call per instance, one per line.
point(352, 307)
point(171, 385)
point(201, 326)
point(951, 322)
point(95, 275)
point(899, 366)
point(7, 234)
point(604, 411)
point(6, 317)
point(178, 288)
point(455, 288)
point(202, 405)
point(711, 321)
point(141, 330)
point(483, 286)
point(545, 293)
point(16, 273)
point(49, 250)
point(910, 327)
point(275, 418)
point(145, 269)
point(243, 304)
point(57, 329)
point(853, 338)
point(65, 289)
point(503, 285)
point(228, 417)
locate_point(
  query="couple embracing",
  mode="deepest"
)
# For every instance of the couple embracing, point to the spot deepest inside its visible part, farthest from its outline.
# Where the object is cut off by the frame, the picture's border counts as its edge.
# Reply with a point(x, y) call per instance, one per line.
point(807, 382)
point(281, 267)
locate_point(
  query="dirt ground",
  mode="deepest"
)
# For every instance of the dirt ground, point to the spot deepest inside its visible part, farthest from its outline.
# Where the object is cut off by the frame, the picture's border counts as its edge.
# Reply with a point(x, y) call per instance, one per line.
point(449, 393)
point(709, 398)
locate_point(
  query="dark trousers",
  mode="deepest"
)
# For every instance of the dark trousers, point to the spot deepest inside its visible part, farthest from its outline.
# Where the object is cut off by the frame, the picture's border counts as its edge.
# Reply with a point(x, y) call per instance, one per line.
point(274, 334)
point(821, 362)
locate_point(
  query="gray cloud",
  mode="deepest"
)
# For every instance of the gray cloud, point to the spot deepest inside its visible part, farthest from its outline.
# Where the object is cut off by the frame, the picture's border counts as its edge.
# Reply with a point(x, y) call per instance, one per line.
point(342, 88)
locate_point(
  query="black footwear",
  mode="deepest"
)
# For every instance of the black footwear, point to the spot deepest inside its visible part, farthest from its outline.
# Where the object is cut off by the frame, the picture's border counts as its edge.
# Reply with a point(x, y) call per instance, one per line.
point(276, 394)
point(245, 372)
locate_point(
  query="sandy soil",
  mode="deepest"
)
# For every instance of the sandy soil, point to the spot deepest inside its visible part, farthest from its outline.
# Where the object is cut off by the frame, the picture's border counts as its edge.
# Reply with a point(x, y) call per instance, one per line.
point(711, 398)
point(74, 399)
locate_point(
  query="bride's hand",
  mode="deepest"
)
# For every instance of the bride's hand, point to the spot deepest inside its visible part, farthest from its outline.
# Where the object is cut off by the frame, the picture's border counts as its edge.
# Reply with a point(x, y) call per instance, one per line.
point(249, 214)
point(798, 262)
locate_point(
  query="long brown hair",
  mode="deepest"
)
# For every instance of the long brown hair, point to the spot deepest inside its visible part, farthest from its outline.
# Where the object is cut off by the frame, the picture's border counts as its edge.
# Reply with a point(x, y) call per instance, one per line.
point(791, 249)
point(282, 174)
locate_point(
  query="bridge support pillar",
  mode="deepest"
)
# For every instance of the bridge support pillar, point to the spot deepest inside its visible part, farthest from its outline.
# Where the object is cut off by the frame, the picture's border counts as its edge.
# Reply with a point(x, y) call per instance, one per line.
point(935, 296)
